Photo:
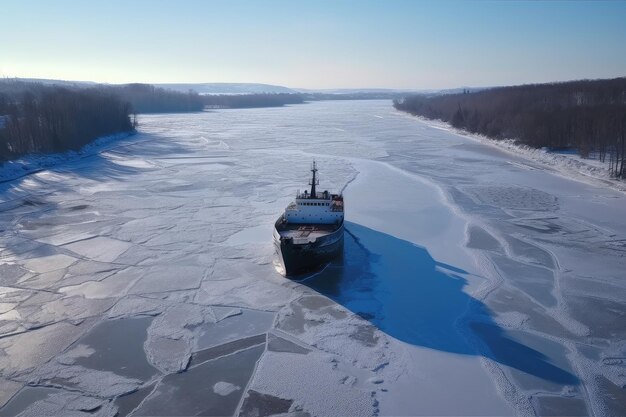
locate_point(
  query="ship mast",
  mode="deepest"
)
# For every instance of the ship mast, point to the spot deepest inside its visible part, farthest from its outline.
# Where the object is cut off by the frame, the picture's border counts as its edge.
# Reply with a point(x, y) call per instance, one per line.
point(314, 181)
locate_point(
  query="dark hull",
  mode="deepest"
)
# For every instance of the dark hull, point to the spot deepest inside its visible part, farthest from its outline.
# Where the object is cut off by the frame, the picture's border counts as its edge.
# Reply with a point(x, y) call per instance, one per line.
point(301, 258)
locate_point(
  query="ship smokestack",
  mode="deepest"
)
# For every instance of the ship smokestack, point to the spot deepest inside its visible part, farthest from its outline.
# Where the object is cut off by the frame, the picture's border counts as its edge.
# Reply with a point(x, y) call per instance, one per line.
point(314, 181)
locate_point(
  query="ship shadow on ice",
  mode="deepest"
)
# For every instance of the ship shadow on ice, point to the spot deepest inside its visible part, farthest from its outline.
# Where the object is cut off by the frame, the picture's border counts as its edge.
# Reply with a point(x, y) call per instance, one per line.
point(404, 292)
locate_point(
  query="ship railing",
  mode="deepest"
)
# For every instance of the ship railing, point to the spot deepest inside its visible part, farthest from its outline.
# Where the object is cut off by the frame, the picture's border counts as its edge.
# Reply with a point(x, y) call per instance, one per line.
point(322, 195)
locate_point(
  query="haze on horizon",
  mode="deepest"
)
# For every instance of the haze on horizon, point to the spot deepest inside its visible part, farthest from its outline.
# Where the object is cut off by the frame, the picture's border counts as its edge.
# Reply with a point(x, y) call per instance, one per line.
point(315, 44)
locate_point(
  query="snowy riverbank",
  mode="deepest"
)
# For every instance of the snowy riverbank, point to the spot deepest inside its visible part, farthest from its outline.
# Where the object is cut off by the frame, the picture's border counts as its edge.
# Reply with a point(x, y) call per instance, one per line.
point(28, 164)
point(568, 165)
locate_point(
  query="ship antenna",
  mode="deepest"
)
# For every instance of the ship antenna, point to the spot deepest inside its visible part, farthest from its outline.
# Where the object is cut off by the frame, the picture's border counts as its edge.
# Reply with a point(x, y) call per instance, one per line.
point(314, 181)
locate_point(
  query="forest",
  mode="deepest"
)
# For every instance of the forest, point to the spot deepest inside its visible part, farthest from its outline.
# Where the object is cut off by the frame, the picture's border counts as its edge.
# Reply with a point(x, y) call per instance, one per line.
point(146, 98)
point(588, 116)
point(39, 119)
point(365, 95)
point(43, 118)
point(239, 101)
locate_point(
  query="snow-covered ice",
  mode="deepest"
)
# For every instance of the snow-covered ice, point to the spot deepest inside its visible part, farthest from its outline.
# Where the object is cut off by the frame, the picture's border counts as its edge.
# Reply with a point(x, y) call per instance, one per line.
point(225, 388)
point(137, 276)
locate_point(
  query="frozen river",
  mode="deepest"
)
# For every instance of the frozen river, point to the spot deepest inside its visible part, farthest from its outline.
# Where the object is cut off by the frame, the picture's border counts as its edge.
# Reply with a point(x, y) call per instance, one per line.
point(141, 280)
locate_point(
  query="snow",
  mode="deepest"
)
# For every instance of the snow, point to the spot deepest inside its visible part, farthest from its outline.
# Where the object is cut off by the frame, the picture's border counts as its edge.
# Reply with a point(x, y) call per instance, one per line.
point(568, 164)
point(145, 267)
point(34, 162)
point(315, 384)
point(225, 388)
point(49, 263)
point(100, 248)
point(26, 351)
point(71, 405)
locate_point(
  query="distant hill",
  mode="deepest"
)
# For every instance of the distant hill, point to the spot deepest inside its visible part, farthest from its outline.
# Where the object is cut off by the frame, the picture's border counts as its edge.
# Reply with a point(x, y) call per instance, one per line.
point(228, 88)
point(200, 88)
point(257, 88)
point(354, 91)
point(388, 91)
point(62, 83)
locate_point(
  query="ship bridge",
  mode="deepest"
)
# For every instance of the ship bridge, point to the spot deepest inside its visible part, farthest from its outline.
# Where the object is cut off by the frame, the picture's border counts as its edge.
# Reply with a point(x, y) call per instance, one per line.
point(315, 207)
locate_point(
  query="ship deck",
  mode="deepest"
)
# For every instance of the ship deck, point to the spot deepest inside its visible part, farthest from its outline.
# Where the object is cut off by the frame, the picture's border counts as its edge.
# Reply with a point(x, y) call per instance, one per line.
point(305, 231)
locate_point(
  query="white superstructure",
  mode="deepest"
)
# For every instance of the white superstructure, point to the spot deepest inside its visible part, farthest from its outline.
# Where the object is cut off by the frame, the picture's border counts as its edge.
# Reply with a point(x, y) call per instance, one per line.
point(315, 207)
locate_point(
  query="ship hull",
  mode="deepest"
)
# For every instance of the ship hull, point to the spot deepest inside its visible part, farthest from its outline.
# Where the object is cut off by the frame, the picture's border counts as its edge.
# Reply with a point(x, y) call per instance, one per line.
point(299, 258)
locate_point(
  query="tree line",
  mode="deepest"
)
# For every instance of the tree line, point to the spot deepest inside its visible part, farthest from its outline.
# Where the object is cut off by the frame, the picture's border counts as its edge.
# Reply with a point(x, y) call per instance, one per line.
point(365, 95)
point(146, 98)
point(239, 101)
point(40, 119)
point(588, 116)
point(44, 118)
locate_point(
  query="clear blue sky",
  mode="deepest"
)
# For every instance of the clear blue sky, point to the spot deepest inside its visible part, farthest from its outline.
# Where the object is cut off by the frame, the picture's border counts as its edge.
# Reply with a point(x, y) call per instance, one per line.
point(313, 44)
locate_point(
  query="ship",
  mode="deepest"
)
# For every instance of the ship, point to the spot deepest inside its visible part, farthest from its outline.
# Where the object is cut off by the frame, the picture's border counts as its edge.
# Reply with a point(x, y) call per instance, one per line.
point(309, 234)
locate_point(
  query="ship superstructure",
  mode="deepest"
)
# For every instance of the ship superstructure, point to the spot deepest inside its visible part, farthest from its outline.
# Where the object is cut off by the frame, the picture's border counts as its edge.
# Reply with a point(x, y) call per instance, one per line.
point(310, 231)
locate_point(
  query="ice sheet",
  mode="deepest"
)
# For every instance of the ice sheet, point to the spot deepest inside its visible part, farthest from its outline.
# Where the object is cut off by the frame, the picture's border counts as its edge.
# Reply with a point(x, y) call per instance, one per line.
point(168, 226)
